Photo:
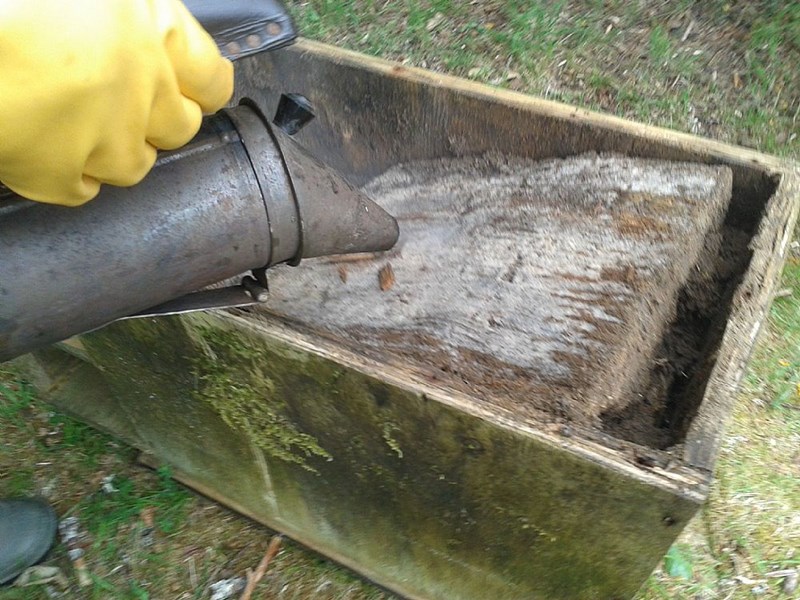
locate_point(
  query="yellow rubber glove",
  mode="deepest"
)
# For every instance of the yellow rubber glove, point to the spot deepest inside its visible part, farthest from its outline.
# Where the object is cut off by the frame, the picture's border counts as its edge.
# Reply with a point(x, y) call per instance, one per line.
point(90, 88)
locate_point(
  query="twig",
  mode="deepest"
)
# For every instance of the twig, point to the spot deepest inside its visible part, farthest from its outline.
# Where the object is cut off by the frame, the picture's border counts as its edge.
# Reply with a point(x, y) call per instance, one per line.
point(254, 577)
point(688, 31)
point(193, 573)
point(781, 573)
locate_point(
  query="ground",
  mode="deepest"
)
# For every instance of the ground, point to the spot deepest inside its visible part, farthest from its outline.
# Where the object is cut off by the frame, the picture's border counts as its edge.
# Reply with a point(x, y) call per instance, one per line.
point(721, 69)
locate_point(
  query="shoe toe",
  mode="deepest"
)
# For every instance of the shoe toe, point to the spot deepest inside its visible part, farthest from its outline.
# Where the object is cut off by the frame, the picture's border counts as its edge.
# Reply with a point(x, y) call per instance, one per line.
point(27, 530)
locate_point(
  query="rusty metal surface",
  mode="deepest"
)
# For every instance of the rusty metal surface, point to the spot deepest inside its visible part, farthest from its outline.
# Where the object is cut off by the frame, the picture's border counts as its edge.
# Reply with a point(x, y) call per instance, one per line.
point(221, 206)
point(279, 200)
point(235, 296)
point(198, 218)
point(337, 218)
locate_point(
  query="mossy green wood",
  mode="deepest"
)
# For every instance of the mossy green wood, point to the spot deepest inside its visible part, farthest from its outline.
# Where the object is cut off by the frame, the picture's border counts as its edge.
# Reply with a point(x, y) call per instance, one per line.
point(421, 497)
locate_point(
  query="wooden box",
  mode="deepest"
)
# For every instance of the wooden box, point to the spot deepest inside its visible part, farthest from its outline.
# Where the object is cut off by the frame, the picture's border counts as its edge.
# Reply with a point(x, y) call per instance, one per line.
point(417, 482)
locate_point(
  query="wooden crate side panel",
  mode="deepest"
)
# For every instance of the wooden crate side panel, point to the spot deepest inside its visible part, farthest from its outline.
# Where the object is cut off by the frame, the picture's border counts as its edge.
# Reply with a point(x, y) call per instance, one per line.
point(140, 386)
point(750, 307)
point(425, 499)
point(77, 388)
point(373, 114)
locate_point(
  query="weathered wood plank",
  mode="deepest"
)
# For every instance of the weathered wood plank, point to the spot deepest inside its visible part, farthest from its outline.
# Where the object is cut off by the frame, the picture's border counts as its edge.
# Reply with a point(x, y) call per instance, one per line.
point(722, 371)
point(544, 286)
point(430, 501)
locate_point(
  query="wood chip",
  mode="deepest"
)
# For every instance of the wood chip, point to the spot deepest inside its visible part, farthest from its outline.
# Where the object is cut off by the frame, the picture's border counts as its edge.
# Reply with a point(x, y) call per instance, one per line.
point(253, 577)
point(147, 515)
point(342, 271)
point(737, 80)
point(434, 21)
point(386, 277)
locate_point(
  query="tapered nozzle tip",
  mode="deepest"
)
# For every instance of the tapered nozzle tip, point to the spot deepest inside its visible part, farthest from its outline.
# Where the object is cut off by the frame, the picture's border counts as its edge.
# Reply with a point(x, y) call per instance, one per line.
point(337, 217)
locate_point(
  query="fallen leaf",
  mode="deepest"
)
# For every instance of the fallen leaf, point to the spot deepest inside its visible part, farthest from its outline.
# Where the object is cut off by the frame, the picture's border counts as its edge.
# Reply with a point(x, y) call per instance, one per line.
point(40, 575)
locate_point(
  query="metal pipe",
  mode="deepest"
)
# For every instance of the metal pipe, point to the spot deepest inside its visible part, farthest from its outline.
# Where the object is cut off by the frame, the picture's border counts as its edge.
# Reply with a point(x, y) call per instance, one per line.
point(239, 197)
point(198, 218)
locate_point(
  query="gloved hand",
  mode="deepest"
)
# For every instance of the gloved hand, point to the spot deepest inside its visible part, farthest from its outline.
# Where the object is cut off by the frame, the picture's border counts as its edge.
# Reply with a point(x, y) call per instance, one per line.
point(90, 88)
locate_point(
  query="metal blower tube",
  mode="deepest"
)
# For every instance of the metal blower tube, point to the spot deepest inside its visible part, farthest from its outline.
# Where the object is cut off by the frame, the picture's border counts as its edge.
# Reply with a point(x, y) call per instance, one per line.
point(198, 218)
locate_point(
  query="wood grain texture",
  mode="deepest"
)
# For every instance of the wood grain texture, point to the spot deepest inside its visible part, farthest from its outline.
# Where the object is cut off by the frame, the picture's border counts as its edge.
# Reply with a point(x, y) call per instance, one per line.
point(541, 286)
point(420, 496)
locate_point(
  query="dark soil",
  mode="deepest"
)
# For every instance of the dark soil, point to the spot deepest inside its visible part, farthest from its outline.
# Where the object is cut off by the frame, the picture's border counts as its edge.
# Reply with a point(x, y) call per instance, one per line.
point(686, 354)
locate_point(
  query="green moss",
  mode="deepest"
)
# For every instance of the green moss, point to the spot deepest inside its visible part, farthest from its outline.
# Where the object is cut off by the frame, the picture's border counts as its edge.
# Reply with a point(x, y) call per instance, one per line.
point(146, 332)
point(388, 428)
point(233, 379)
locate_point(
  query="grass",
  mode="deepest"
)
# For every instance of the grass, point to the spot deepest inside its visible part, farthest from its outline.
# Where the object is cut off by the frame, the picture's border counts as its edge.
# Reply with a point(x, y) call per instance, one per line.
point(722, 69)
point(725, 69)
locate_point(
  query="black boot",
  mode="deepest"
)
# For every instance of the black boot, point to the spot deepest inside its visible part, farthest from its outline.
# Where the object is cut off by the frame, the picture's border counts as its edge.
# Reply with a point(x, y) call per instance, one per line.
point(27, 530)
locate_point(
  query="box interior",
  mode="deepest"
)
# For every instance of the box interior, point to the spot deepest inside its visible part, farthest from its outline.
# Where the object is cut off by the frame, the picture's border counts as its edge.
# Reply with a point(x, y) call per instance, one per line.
point(388, 116)
point(541, 288)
